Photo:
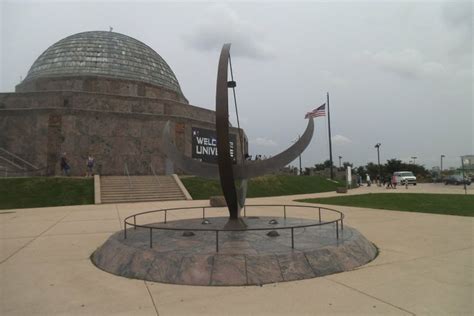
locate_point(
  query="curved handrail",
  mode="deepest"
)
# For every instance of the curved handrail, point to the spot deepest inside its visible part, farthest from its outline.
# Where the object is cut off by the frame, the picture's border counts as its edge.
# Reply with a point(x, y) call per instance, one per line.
point(217, 230)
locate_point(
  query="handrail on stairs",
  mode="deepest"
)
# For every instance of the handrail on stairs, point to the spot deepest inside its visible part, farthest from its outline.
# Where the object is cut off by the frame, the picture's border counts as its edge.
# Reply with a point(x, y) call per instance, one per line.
point(128, 176)
point(6, 170)
point(12, 163)
point(154, 173)
point(18, 158)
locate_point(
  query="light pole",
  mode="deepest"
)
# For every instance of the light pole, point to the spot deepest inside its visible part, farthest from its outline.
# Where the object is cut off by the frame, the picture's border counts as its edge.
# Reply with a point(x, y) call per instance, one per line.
point(414, 159)
point(463, 176)
point(441, 167)
point(301, 170)
point(378, 156)
point(299, 157)
point(340, 157)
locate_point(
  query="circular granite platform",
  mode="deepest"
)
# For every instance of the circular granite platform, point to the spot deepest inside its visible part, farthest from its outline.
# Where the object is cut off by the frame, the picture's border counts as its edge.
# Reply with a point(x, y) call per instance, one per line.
point(244, 257)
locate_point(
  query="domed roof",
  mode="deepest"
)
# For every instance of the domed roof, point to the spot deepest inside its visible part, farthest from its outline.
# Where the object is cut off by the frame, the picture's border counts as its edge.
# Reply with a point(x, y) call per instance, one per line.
point(108, 54)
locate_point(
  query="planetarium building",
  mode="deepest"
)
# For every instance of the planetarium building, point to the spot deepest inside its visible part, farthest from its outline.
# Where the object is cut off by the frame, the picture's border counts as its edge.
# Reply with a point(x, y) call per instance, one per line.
point(103, 94)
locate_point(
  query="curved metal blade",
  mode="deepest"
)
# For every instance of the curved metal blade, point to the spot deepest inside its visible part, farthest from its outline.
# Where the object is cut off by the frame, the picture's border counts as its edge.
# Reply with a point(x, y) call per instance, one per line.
point(224, 161)
point(188, 165)
point(248, 170)
point(258, 168)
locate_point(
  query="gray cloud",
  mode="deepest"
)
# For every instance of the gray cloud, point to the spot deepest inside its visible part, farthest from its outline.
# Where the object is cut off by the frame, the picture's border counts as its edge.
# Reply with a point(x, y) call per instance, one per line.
point(458, 14)
point(263, 141)
point(406, 63)
point(340, 140)
point(223, 25)
point(332, 78)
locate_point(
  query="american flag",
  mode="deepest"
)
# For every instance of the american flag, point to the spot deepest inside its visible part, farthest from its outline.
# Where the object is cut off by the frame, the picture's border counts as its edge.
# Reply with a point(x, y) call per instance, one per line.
point(320, 111)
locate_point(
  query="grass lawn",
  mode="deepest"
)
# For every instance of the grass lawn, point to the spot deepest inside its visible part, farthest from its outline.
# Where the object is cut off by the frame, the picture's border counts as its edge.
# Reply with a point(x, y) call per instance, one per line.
point(272, 185)
point(43, 191)
point(451, 204)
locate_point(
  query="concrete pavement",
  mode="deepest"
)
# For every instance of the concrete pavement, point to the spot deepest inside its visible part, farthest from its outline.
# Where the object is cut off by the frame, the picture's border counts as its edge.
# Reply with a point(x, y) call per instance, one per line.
point(425, 266)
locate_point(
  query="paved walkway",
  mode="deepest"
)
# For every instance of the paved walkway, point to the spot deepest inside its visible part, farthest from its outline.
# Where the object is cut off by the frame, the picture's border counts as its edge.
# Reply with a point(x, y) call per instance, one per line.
point(425, 266)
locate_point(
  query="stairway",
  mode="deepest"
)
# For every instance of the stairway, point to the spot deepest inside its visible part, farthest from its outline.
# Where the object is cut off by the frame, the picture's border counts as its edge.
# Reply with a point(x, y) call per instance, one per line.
point(12, 165)
point(119, 189)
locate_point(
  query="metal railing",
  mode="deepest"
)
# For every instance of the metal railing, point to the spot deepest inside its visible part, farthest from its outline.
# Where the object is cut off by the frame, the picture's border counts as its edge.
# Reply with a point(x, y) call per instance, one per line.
point(154, 173)
point(6, 173)
point(15, 166)
point(126, 173)
point(23, 161)
point(337, 222)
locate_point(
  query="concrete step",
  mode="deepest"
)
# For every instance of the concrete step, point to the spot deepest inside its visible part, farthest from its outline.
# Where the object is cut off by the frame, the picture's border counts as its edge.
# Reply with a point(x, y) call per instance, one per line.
point(112, 185)
point(157, 196)
point(139, 200)
point(139, 189)
point(141, 194)
point(134, 184)
point(119, 178)
point(147, 189)
point(154, 187)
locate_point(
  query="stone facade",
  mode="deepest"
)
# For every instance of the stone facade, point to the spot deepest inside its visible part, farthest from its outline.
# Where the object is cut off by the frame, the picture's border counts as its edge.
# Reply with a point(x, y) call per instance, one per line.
point(117, 130)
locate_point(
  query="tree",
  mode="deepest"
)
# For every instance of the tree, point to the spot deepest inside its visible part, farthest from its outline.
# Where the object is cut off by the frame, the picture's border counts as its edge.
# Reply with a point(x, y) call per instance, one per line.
point(322, 166)
point(394, 165)
point(372, 169)
point(346, 164)
point(361, 170)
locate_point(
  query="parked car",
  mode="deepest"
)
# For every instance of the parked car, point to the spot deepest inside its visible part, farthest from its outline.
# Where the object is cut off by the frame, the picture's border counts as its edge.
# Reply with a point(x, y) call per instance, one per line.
point(405, 176)
point(457, 179)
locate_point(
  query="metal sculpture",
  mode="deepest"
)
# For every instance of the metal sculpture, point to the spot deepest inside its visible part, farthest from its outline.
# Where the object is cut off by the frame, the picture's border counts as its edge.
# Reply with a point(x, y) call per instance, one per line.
point(229, 173)
point(226, 174)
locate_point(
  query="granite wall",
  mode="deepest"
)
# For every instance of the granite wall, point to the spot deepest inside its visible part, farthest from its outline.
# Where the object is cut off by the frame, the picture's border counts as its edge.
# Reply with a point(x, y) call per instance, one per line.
point(100, 85)
point(115, 129)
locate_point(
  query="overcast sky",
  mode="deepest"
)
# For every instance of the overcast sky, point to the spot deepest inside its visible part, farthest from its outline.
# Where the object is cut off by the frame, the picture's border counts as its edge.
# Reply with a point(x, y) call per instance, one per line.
point(398, 73)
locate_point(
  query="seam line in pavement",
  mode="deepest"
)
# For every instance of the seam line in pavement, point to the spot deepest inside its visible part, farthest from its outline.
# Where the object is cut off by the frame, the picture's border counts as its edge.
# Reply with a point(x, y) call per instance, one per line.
point(89, 220)
point(91, 233)
point(212, 270)
point(118, 216)
point(412, 259)
point(36, 237)
point(151, 297)
point(371, 296)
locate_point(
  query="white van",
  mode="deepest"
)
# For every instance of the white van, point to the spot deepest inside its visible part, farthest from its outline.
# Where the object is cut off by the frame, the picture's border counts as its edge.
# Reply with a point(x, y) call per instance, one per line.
point(402, 176)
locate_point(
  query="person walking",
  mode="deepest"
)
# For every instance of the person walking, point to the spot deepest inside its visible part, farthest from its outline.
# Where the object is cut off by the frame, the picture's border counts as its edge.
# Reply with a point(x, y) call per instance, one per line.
point(90, 166)
point(64, 164)
point(394, 181)
point(389, 182)
point(367, 177)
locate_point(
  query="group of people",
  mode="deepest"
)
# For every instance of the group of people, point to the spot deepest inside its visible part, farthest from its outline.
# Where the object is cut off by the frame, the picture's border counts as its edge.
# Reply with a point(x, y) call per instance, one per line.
point(390, 181)
point(257, 157)
point(66, 166)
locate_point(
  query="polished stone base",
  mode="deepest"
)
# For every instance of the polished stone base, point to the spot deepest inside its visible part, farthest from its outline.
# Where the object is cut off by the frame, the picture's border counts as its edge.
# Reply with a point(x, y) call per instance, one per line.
point(244, 258)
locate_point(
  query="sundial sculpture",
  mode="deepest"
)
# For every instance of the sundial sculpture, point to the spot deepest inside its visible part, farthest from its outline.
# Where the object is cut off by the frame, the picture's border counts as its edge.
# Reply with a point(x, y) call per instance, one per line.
point(230, 173)
point(195, 259)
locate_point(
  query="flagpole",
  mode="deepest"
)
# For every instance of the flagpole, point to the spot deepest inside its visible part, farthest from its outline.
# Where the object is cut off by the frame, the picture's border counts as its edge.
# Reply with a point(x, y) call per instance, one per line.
point(329, 132)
